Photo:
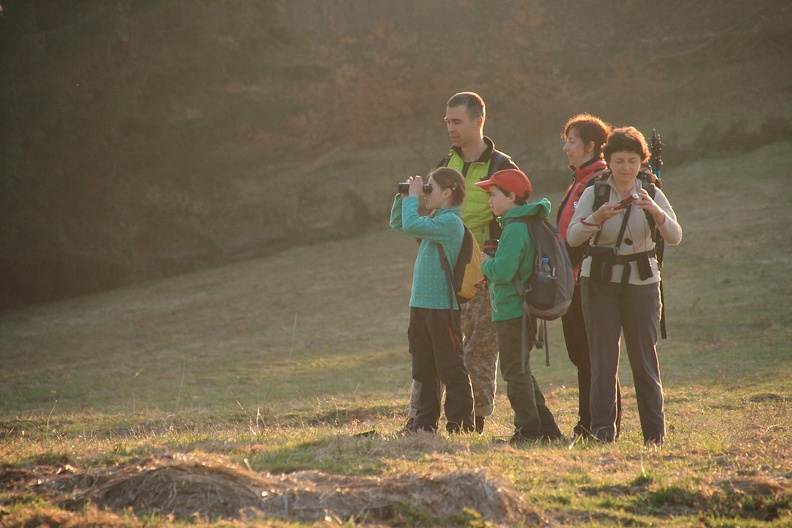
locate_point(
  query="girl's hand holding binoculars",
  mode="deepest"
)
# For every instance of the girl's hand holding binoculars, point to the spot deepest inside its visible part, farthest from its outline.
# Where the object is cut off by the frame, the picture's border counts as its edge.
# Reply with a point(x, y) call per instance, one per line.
point(416, 186)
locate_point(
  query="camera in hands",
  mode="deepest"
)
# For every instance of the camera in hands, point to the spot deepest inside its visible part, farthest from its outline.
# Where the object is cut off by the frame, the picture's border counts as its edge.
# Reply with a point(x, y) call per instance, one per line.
point(404, 188)
point(633, 197)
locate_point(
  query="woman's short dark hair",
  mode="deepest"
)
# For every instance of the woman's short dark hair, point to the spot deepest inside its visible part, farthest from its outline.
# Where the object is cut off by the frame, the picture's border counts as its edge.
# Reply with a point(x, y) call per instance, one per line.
point(448, 178)
point(589, 128)
point(472, 102)
point(626, 139)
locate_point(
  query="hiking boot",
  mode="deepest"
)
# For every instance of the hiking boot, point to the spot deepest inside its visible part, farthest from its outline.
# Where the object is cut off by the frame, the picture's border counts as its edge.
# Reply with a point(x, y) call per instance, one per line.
point(553, 437)
point(655, 442)
point(581, 432)
point(519, 438)
point(423, 429)
point(480, 424)
point(456, 428)
point(407, 425)
point(603, 438)
point(550, 432)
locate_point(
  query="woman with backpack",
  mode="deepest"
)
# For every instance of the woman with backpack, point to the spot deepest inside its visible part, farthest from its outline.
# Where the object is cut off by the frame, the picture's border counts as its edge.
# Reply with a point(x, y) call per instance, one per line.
point(584, 136)
point(434, 334)
point(620, 283)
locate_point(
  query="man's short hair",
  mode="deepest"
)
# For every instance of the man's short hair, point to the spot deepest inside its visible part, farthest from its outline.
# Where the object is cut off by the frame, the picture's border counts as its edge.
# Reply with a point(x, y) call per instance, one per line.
point(472, 102)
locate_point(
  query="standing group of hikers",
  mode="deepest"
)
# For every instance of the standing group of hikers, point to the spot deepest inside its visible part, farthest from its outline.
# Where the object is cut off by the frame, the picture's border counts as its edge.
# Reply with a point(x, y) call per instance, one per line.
point(611, 229)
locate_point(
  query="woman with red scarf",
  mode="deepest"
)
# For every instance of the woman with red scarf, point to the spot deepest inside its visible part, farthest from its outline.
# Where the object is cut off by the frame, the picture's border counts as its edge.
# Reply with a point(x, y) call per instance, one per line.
point(584, 135)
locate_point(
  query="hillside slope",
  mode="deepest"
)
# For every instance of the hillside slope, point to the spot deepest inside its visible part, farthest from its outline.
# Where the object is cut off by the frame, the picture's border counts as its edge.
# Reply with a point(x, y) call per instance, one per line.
point(142, 140)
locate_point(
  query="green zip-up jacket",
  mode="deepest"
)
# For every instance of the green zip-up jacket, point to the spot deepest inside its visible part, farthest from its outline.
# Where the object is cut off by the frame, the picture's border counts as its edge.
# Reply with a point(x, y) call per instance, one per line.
point(515, 252)
point(430, 285)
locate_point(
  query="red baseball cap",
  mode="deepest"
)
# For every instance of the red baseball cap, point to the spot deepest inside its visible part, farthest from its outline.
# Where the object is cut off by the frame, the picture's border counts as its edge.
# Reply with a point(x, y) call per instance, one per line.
point(510, 180)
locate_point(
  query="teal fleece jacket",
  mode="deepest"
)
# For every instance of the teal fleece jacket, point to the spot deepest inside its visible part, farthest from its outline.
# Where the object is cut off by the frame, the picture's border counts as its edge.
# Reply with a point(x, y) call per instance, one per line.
point(515, 252)
point(429, 286)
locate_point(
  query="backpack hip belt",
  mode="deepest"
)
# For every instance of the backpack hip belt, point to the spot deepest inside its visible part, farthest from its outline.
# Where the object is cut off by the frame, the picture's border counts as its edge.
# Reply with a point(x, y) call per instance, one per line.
point(604, 258)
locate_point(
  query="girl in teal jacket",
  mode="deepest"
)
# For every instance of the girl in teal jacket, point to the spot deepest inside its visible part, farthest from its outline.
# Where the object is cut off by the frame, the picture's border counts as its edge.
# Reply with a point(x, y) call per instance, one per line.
point(435, 334)
point(509, 191)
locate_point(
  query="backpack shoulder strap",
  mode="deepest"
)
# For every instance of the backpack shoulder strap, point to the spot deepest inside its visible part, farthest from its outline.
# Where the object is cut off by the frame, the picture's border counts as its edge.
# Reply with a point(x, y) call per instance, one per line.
point(601, 194)
point(448, 273)
point(498, 161)
point(465, 253)
point(651, 188)
point(529, 222)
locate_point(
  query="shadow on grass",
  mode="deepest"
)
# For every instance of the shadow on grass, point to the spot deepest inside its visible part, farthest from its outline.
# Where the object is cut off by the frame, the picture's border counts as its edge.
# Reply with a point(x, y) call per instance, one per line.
point(341, 417)
point(745, 498)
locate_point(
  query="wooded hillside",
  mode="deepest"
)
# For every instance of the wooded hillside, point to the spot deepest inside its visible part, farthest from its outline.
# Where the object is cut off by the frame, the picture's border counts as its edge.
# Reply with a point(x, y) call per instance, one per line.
point(140, 139)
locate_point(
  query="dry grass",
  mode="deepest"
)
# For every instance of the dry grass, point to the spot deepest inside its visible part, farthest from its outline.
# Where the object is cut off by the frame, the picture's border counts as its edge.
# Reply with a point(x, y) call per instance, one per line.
point(212, 488)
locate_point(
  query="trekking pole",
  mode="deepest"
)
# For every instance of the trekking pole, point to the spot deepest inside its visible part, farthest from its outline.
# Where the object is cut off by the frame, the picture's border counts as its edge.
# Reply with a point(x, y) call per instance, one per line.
point(542, 340)
point(656, 161)
point(524, 351)
point(656, 164)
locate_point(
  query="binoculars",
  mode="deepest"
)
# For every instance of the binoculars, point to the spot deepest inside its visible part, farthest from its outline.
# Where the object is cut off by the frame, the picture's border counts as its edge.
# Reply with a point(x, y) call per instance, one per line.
point(404, 188)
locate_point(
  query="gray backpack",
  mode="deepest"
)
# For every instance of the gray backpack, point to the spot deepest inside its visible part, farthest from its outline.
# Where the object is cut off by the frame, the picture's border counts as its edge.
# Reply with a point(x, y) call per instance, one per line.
point(548, 294)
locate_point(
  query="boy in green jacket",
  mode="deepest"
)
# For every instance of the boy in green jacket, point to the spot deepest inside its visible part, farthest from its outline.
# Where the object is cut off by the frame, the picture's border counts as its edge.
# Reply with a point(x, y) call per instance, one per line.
point(509, 191)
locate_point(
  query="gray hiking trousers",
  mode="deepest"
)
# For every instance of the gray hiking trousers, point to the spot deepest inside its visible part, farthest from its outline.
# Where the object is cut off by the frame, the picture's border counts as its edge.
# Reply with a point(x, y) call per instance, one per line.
point(608, 309)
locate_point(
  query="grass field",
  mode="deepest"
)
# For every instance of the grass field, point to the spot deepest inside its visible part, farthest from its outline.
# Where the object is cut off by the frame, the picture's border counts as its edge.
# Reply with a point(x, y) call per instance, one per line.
point(181, 401)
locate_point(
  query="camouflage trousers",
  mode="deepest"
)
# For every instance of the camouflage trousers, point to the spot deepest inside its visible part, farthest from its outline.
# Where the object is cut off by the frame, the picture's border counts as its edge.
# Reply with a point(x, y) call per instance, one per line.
point(480, 345)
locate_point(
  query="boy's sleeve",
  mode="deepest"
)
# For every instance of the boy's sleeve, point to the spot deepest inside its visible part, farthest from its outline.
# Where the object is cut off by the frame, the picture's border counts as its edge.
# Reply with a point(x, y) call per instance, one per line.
point(504, 265)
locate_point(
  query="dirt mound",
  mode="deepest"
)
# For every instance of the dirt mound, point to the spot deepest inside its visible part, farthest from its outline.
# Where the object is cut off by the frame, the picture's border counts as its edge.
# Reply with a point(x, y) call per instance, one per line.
point(214, 489)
